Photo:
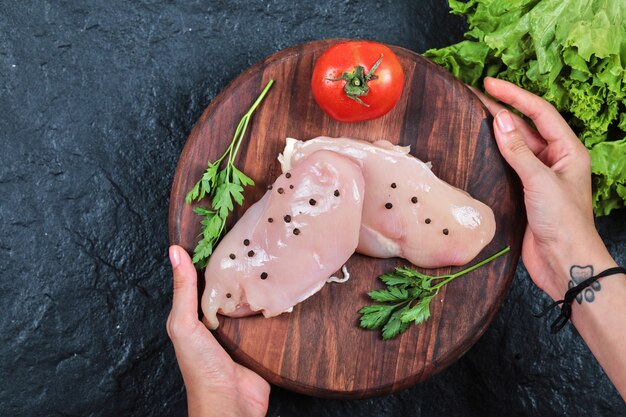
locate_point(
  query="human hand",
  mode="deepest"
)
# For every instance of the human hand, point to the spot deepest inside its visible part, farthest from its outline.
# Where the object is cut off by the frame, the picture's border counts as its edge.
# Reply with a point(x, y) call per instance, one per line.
point(555, 170)
point(215, 384)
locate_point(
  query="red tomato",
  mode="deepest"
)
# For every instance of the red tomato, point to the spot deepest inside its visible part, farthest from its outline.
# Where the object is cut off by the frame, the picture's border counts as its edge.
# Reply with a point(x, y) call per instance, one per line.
point(357, 80)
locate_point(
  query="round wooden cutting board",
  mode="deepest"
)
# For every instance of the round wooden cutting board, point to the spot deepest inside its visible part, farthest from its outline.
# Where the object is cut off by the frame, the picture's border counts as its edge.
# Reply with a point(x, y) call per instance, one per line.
point(319, 348)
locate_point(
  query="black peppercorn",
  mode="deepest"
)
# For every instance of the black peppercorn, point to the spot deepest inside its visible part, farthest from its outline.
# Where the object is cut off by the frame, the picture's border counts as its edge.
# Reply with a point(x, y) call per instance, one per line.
point(388, 206)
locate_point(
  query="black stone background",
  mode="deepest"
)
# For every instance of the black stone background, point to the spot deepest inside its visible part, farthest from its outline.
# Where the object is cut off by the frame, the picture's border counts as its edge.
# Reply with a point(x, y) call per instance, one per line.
point(96, 101)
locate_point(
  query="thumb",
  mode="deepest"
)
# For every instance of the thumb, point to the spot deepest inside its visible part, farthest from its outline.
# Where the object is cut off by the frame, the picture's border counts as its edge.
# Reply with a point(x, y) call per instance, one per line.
point(185, 303)
point(514, 149)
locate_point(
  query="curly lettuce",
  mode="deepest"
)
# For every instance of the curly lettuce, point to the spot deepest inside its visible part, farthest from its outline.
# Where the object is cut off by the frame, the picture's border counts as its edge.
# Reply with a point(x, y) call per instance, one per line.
point(570, 52)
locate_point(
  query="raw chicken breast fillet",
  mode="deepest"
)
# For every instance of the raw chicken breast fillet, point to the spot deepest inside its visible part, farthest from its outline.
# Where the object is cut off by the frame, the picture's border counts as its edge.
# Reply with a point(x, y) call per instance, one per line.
point(285, 246)
point(408, 211)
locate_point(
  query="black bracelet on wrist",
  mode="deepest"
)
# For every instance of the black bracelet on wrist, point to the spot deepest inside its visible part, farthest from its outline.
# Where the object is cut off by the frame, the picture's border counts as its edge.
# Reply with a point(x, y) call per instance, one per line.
point(570, 295)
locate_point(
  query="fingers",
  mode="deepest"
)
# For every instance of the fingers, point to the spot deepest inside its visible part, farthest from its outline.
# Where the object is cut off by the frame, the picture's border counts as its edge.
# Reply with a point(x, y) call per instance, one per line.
point(533, 139)
point(547, 119)
point(493, 106)
point(514, 149)
point(185, 304)
point(194, 343)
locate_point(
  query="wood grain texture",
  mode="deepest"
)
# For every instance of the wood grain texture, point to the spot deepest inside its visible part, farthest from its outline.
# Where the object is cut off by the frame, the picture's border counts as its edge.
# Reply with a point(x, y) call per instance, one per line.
point(319, 349)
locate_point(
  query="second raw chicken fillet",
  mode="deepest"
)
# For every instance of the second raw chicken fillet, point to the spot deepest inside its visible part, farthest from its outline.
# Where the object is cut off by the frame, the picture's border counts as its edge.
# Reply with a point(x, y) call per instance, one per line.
point(408, 211)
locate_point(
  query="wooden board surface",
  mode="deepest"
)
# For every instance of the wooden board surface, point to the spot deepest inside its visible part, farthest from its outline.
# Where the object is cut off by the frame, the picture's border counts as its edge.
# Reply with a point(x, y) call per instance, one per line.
point(319, 349)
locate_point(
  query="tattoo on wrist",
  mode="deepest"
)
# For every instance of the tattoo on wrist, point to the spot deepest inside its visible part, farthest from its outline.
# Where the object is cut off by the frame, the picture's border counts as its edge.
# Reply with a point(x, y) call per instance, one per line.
point(577, 275)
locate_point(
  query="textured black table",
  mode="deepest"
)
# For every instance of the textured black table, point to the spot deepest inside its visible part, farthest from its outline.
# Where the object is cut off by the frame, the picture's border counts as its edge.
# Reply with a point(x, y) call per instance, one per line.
point(96, 101)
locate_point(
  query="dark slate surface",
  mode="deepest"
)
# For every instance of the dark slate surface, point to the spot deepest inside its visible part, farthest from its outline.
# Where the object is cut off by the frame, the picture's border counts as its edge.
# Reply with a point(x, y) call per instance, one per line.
point(97, 99)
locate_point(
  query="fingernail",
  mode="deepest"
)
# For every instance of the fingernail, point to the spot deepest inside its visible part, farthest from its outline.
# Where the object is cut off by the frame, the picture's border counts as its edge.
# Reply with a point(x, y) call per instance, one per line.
point(174, 256)
point(505, 121)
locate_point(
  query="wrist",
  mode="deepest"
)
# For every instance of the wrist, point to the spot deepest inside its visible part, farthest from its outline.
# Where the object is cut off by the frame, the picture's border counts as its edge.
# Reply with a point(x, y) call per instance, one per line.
point(199, 405)
point(208, 401)
point(221, 403)
point(576, 262)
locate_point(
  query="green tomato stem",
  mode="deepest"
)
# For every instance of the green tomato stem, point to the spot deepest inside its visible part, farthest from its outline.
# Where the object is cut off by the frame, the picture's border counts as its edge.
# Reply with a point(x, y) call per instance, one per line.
point(370, 73)
point(356, 81)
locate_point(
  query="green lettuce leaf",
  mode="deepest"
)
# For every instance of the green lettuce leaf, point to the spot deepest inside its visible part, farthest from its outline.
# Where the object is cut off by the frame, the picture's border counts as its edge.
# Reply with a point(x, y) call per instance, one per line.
point(570, 52)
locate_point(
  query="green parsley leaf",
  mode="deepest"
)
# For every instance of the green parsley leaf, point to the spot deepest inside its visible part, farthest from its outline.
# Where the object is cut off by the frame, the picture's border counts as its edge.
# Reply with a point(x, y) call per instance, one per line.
point(375, 316)
point(389, 294)
point(395, 325)
point(222, 201)
point(419, 313)
point(212, 226)
point(396, 278)
point(203, 251)
point(193, 194)
point(243, 178)
point(203, 211)
point(235, 191)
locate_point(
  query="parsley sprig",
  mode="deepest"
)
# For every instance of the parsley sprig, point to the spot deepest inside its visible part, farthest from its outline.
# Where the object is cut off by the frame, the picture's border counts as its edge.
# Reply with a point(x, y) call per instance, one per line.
point(407, 298)
point(222, 185)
